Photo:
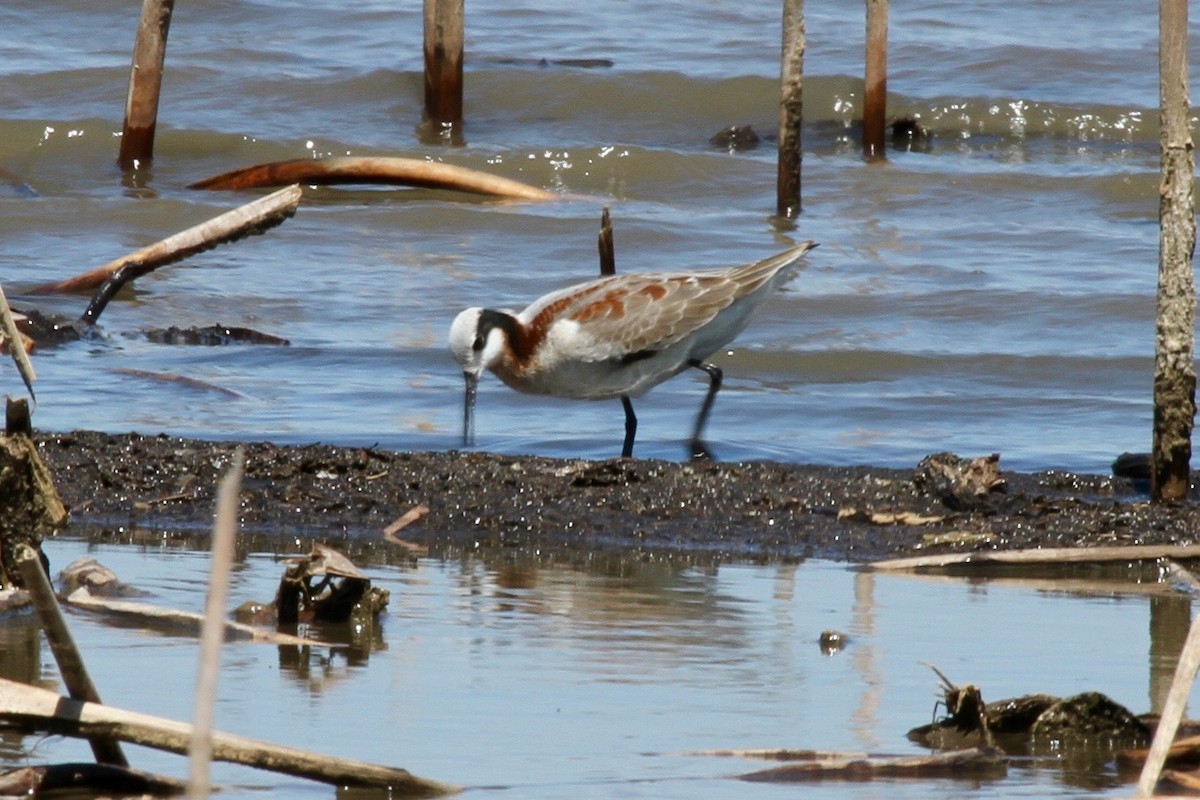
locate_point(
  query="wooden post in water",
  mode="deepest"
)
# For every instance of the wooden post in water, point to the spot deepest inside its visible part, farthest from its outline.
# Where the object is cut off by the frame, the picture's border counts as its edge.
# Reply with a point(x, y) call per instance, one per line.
point(608, 256)
point(444, 70)
point(791, 103)
point(875, 84)
point(145, 83)
point(1174, 341)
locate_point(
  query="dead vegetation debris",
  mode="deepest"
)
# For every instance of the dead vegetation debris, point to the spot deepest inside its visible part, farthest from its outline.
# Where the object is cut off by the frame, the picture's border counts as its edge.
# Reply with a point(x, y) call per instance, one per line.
point(746, 509)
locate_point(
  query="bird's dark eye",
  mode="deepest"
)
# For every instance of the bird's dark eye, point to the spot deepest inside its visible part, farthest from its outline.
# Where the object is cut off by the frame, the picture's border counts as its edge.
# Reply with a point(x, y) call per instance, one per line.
point(478, 344)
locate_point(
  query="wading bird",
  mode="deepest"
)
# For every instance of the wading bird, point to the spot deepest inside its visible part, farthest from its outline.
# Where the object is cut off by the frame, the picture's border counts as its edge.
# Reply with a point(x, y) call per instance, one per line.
point(617, 336)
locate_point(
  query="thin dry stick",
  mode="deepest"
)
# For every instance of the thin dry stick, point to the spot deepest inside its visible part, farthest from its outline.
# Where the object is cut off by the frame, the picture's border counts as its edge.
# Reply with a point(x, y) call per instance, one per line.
point(70, 661)
point(16, 345)
point(213, 633)
point(145, 84)
point(412, 515)
point(1049, 555)
point(246, 220)
point(608, 256)
point(374, 170)
point(1168, 723)
point(46, 710)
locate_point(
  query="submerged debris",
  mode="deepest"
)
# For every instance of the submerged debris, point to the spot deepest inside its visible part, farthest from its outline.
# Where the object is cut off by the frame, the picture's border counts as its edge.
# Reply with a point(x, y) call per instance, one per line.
point(1040, 722)
point(325, 586)
point(959, 483)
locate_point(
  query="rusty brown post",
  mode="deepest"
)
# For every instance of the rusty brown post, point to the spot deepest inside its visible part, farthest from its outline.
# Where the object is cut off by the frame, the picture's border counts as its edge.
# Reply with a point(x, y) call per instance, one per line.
point(1174, 345)
point(791, 102)
point(145, 83)
point(444, 70)
point(875, 84)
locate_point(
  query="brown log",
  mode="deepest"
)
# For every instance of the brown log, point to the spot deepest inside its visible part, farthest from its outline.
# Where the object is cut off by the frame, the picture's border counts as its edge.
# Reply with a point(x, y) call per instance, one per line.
point(246, 220)
point(374, 170)
point(145, 84)
point(45, 710)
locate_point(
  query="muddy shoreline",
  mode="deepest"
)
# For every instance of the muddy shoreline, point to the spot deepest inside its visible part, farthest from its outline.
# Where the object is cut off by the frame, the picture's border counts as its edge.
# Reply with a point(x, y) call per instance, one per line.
point(756, 510)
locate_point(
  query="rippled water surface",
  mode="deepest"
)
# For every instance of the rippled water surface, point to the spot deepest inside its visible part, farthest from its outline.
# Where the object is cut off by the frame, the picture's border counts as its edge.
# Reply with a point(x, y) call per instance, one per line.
point(993, 291)
point(601, 676)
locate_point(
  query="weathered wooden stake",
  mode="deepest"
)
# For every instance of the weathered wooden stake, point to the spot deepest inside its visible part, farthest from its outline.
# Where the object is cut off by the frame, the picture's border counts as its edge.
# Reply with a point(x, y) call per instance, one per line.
point(608, 258)
point(145, 83)
point(1174, 346)
point(791, 102)
point(444, 69)
point(875, 84)
point(62, 645)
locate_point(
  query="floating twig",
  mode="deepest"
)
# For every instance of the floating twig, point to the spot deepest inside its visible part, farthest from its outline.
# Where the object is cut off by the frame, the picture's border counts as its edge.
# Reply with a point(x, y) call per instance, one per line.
point(374, 170)
point(1048, 555)
point(249, 219)
point(412, 515)
point(977, 762)
point(45, 710)
point(187, 621)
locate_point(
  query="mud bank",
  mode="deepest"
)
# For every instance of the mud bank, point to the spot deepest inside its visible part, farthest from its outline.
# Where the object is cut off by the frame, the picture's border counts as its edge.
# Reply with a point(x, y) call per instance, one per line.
point(759, 510)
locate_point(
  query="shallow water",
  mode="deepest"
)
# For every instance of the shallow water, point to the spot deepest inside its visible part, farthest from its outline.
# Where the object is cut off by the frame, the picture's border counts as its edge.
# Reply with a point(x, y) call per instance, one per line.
point(991, 292)
point(599, 676)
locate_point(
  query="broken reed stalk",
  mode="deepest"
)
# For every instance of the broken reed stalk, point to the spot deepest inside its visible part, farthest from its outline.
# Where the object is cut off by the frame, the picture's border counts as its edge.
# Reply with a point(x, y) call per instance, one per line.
point(45, 710)
point(251, 218)
point(374, 170)
point(212, 634)
point(791, 104)
point(1172, 713)
point(1047, 555)
point(145, 84)
point(875, 83)
point(70, 661)
point(1174, 341)
point(15, 343)
point(608, 257)
point(444, 70)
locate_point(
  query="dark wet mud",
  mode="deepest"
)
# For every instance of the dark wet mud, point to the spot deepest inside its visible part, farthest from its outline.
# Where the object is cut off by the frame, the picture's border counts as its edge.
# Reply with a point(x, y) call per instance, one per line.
point(758, 510)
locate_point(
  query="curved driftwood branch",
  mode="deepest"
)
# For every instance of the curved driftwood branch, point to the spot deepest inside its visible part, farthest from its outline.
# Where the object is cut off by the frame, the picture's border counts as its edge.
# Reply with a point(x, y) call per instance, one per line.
point(385, 170)
point(46, 710)
point(246, 220)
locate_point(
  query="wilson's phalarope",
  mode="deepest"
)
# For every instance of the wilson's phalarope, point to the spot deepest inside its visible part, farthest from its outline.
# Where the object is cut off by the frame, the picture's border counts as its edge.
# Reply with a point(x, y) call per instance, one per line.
point(617, 336)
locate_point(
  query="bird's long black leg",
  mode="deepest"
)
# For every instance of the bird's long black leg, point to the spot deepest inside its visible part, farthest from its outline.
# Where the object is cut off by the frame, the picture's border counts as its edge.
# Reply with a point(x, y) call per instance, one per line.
point(697, 447)
point(630, 428)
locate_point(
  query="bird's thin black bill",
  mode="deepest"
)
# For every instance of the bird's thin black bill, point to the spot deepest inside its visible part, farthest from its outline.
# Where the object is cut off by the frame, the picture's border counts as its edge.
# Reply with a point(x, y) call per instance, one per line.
point(469, 409)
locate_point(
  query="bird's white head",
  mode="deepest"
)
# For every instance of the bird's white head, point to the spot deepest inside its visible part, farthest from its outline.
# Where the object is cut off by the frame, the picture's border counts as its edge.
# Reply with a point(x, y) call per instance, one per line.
point(476, 340)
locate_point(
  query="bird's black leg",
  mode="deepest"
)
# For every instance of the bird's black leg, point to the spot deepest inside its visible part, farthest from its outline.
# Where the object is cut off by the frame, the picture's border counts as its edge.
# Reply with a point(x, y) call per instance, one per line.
point(697, 448)
point(630, 428)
